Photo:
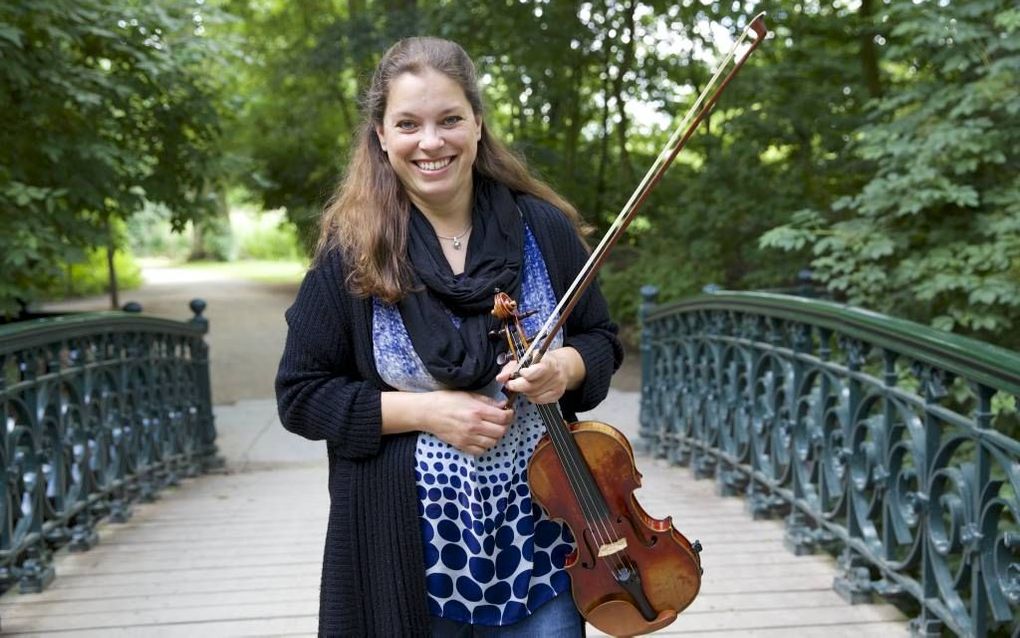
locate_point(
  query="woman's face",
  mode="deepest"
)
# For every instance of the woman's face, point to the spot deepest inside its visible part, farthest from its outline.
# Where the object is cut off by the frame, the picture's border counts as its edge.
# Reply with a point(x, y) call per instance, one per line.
point(430, 135)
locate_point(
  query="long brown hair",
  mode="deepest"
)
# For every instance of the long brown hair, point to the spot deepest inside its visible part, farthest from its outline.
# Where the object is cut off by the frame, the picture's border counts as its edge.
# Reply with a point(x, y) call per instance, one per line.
point(367, 216)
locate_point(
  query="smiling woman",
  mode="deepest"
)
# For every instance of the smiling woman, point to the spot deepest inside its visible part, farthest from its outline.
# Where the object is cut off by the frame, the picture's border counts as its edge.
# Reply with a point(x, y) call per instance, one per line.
point(432, 529)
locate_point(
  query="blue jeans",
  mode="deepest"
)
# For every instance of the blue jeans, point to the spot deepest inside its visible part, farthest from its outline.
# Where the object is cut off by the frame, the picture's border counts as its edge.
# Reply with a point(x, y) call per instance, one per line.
point(558, 618)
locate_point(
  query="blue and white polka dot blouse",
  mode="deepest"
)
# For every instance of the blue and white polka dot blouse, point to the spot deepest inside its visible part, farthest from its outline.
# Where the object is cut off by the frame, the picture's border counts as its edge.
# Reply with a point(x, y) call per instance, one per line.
point(491, 556)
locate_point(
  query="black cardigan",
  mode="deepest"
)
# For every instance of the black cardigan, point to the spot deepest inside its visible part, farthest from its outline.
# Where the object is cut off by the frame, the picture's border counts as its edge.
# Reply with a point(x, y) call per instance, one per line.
point(327, 387)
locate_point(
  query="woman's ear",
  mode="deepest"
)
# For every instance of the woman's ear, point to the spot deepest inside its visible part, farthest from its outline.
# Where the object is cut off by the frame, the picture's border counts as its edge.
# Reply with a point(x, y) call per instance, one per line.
point(478, 122)
point(379, 135)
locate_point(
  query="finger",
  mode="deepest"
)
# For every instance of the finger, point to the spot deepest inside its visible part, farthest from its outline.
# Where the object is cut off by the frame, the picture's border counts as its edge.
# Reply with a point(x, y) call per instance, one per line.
point(546, 398)
point(486, 429)
point(498, 403)
point(507, 371)
point(499, 415)
point(483, 443)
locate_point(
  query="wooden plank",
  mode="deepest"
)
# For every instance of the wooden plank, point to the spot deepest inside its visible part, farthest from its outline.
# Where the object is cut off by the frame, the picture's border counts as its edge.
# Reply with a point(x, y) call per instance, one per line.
point(295, 625)
point(164, 616)
point(163, 601)
point(208, 558)
point(850, 630)
point(252, 572)
point(85, 591)
point(791, 621)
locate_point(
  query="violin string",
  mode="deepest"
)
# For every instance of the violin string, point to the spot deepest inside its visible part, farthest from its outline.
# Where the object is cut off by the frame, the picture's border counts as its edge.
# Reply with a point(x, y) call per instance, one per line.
point(586, 493)
point(554, 427)
point(558, 432)
point(602, 527)
point(518, 348)
point(622, 220)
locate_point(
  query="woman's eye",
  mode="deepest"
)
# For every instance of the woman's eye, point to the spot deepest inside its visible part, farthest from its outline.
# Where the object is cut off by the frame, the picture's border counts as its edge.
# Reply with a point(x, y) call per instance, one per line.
point(452, 120)
point(405, 125)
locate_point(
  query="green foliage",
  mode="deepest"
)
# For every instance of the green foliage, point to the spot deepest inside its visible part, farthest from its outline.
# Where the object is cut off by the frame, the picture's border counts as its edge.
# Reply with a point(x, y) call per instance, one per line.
point(268, 237)
point(875, 141)
point(112, 109)
point(91, 276)
point(150, 233)
point(214, 240)
point(933, 233)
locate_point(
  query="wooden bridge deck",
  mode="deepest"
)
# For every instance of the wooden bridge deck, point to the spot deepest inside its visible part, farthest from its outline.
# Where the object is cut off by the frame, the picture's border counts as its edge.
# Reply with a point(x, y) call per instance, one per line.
point(238, 554)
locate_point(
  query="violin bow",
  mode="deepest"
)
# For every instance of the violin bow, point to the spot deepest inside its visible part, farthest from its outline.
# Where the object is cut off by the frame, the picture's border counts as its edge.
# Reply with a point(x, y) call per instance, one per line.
point(683, 132)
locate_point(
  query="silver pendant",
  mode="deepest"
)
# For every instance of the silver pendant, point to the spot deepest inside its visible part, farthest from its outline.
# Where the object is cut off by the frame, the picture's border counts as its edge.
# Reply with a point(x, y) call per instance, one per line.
point(456, 243)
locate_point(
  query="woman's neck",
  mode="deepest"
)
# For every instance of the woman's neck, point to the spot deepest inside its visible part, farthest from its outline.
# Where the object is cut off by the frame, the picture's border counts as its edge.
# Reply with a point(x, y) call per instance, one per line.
point(450, 217)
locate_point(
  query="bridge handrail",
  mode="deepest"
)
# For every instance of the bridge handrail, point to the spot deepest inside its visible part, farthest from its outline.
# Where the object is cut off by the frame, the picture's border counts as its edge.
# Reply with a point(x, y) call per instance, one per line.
point(983, 362)
point(891, 444)
point(101, 410)
point(28, 334)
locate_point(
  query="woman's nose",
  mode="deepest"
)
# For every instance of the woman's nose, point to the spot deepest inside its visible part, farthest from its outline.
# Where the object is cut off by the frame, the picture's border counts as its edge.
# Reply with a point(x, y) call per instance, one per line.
point(431, 139)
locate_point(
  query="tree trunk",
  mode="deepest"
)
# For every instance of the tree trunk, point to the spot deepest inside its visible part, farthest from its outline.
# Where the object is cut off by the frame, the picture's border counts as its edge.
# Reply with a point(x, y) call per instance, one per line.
point(111, 268)
point(600, 181)
point(869, 50)
point(573, 134)
point(625, 64)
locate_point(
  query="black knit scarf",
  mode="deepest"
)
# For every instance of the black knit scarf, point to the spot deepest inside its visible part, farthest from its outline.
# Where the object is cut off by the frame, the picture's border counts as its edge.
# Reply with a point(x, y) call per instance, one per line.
point(464, 358)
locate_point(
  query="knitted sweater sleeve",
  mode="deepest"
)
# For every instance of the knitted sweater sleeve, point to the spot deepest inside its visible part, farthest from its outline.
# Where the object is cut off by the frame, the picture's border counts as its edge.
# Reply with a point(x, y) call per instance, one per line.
point(588, 329)
point(320, 393)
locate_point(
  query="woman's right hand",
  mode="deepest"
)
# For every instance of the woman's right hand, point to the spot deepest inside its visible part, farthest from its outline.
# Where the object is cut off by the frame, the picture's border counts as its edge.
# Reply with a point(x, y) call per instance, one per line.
point(472, 423)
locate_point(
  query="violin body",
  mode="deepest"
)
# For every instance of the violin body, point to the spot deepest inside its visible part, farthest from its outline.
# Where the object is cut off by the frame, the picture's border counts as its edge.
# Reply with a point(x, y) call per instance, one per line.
point(666, 568)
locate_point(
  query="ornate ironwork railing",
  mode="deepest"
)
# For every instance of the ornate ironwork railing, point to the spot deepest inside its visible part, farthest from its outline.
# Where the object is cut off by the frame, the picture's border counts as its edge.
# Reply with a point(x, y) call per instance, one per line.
point(889, 443)
point(101, 410)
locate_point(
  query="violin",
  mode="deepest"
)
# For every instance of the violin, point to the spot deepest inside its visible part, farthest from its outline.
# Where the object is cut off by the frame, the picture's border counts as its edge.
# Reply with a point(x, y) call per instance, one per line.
point(631, 574)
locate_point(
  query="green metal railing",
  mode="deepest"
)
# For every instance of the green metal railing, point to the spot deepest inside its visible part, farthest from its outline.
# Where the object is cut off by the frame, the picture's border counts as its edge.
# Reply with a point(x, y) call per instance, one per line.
point(101, 410)
point(889, 443)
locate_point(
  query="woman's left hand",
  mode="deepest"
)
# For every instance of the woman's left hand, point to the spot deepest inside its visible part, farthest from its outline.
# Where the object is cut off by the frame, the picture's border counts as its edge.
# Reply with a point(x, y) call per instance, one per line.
point(545, 382)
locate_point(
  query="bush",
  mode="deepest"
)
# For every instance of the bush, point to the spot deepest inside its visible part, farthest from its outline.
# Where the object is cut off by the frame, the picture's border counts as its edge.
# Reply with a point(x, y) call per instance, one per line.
point(91, 277)
point(150, 234)
point(268, 236)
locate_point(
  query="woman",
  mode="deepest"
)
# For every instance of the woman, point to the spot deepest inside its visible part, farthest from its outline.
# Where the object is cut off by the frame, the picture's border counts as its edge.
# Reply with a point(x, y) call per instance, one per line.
point(389, 360)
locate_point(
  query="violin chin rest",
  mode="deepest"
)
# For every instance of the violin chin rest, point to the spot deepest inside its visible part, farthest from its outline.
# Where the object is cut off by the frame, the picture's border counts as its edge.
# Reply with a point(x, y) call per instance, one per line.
point(621, 618)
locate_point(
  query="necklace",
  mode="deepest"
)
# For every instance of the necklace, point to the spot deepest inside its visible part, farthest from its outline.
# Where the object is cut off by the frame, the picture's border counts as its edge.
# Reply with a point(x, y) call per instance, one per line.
point(456, 238)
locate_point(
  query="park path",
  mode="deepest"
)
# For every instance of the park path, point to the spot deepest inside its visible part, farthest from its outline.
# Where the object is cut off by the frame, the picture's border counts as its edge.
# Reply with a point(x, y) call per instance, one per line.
point(238, 553)
point(246, 325)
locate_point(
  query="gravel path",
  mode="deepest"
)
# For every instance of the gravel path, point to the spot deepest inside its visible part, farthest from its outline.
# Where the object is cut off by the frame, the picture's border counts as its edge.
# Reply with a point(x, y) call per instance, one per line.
point(246, 325)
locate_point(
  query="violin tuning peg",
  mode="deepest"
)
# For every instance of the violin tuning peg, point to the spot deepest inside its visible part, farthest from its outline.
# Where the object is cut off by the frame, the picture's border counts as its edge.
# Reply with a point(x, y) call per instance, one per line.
point(502, 358)
point(696, 546)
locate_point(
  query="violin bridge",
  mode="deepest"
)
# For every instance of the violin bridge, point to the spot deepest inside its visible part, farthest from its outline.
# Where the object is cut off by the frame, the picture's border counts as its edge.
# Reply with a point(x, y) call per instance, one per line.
point(612, 548)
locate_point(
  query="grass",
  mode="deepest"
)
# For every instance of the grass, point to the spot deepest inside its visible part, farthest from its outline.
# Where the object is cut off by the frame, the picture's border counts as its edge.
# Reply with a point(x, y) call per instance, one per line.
point(268, 272)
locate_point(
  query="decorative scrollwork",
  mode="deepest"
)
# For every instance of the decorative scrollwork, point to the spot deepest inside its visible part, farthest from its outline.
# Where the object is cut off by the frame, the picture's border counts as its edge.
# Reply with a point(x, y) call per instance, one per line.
point(92, 420)
point(879, 439)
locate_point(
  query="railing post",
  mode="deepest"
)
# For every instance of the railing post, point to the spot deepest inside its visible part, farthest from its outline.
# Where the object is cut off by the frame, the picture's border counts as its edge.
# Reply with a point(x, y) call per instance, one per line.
point(646, 436)
point(200, 359)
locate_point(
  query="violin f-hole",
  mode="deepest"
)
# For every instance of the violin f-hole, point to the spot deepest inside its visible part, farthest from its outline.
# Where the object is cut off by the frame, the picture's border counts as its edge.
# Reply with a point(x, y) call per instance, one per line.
point(590, 546)
point(650, 541)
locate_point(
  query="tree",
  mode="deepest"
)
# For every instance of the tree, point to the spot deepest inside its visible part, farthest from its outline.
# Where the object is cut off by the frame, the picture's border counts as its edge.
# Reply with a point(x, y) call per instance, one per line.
point(933, 232)
point(111, 108)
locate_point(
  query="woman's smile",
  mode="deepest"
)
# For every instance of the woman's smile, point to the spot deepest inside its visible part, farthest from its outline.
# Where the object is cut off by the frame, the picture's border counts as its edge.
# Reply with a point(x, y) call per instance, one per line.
point(433, 166)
